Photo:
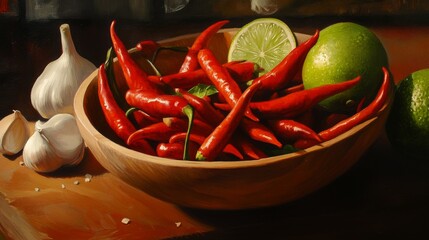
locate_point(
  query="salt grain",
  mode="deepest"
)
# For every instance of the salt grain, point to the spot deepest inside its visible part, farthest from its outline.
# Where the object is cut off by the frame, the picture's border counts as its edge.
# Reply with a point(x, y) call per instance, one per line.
point(37, 189)
point(88, 177)
point(125, 220)
point(76, 182)
point(178, 224)
point(21, 163)
point(63, 186)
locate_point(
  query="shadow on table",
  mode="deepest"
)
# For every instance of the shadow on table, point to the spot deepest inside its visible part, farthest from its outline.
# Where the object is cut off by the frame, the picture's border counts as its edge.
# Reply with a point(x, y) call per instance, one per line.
point(383, 195)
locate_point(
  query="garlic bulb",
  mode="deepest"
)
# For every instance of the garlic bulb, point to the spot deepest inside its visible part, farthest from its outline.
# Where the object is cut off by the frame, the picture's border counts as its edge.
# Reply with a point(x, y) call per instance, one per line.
point(54, 144)
point(54, 89)
point(14, 133)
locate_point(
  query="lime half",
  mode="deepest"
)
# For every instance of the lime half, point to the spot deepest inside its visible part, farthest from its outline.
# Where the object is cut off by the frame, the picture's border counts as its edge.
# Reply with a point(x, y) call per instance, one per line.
point(265, 41)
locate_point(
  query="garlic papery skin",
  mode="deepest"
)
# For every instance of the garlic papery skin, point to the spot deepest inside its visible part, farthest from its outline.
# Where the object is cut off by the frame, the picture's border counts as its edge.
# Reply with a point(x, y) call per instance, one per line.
point(54, 90)
point(54, 144)
point(14, 133)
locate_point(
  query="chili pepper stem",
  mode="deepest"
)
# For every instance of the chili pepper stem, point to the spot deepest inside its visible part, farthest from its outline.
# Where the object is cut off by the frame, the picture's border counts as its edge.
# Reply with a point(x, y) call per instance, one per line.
point(189, 112)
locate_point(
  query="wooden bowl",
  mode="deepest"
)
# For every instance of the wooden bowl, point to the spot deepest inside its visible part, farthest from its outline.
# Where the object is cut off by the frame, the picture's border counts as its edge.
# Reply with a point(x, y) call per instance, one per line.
point(220, 184)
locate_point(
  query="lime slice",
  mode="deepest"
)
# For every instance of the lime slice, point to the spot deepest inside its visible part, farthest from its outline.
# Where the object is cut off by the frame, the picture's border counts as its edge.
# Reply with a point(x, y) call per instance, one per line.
point(265, 41)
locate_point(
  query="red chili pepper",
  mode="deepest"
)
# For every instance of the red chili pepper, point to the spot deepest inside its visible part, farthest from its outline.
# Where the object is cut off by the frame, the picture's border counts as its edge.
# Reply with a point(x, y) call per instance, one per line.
point(255, 130)
point(170, 150)
point(156, 105)
point(291, 130)
point(248, 148)
point(115, 116)
point(333, 119)
point(148, 48)
point(161, 106)
point(279, 76)
point(159, 132)
point(259, 132)
point(216, 141)
point(296, 103)
point(368, 112)
point(198, 125)
point(141, 118)
point(293, 89)
point(240, 71)
point(134, 75)
point(191, 62)
point(229, 148)
point(175, 150)
point(222, 80)
point(202, 107)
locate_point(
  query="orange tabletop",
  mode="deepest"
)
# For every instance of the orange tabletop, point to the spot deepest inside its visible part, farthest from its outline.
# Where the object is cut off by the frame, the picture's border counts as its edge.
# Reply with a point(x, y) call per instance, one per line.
point(383, 195)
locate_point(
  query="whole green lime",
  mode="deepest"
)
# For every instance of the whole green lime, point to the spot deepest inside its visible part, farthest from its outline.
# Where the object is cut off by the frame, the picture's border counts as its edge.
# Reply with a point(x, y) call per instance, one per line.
point(344, 51)
point(408, 124)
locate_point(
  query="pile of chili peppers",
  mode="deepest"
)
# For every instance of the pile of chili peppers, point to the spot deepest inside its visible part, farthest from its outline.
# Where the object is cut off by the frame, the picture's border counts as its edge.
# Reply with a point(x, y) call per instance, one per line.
point(240, 115)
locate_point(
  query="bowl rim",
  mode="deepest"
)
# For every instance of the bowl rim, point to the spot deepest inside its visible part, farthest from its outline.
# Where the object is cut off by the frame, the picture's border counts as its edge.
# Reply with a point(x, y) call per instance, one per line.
point(219, 164)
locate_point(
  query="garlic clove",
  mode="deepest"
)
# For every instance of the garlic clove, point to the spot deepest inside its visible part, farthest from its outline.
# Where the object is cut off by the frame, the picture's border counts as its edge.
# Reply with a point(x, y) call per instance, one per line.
point(54, 90)
point(39, 156)
point(55, 143)
point(14, 133)
point(63, 135)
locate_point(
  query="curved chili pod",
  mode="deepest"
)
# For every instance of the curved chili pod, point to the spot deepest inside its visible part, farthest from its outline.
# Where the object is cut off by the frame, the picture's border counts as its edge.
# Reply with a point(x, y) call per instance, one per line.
point(134, 75)
point(240, 71)
point(298, 102)
point(363, 115)
point(291, 130)
point(259, 132)
point(248, 148)
point(217, 140)
point(175, 150)
point(148, 48)
point(159, 132)
point(229, 148)
point(115, 116)
point(202, 107)
point(222, 80)
point(191, 62)
point(279, 76)
point(295, 103)
point(156, 105)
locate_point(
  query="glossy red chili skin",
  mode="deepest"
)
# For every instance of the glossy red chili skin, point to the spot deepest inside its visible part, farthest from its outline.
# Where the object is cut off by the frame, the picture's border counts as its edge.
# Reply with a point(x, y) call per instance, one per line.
point(156, 105)
point(216, 141)
point(170, 150)
point(191, 62)
point(115, 116)
point(259, 132)
point(221, 79)
point(298, 102)
point(249, 148)
point(134, 75)
point(202, 107)
point(158, 132)
point(199, 139)
point(366, 113)
point(279, 76)
point(148, 48)
point(240, 71)
point(290, 130)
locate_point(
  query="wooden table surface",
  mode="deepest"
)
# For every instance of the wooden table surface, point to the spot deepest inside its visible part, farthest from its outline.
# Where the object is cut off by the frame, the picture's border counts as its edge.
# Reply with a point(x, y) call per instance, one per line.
point(383, 195)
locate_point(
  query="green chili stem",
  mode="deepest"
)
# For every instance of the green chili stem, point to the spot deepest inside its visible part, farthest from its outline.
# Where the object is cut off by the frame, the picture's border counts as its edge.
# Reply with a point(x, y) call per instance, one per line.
point(189, 112)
